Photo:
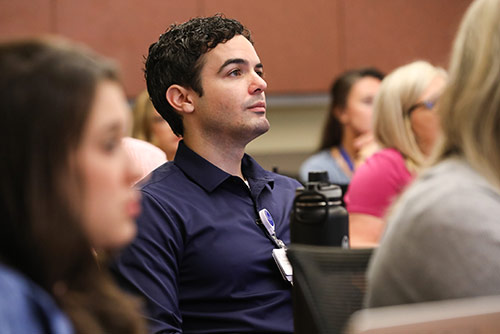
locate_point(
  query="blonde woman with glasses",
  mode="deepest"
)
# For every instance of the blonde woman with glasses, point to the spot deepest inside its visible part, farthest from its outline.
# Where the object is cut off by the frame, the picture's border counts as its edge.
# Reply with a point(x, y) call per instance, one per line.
point(443, 237)
point(406, 127)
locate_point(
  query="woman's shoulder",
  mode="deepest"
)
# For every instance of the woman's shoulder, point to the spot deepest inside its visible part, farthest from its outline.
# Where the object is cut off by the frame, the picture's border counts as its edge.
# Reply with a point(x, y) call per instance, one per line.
point(448, 196)
point(13, 286)
point(323, 160)
point(320, 157)
point(27, 308)
point(387, 156)
point(453, 185)
point(385, 163)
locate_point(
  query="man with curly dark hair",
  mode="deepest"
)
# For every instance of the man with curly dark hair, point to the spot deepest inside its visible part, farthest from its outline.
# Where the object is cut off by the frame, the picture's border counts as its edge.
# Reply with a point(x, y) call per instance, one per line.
point(203, 256)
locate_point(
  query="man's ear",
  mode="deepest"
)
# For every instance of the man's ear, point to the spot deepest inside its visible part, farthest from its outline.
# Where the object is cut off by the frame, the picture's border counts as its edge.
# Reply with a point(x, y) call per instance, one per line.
point(180, 98)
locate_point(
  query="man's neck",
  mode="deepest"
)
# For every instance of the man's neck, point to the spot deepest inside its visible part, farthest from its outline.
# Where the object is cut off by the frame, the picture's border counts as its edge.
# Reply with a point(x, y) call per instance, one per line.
point(223, 153)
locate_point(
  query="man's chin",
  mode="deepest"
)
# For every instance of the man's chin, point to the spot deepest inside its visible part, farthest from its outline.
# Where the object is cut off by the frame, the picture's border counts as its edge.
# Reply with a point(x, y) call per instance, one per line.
point(263, 127)
point(259, 131)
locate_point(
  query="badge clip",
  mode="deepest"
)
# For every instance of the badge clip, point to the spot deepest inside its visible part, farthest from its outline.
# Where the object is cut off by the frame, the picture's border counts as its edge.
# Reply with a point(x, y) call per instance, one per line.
point(267, 220)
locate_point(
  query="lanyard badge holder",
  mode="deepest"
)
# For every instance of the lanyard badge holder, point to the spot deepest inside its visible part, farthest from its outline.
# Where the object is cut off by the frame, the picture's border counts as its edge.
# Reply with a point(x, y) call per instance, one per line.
point(279, 254)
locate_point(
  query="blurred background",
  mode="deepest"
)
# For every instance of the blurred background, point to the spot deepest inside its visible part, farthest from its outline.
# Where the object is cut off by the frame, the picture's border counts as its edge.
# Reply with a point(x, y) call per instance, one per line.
point(302, 44)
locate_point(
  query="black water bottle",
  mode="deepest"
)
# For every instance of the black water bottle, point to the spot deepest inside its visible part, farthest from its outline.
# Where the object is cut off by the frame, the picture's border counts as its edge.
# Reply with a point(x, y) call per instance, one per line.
point(318, 218)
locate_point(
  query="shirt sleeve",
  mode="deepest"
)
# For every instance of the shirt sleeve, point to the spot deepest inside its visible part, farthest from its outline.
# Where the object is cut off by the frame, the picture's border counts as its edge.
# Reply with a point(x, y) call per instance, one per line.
point(150, 266)
point(376, 184)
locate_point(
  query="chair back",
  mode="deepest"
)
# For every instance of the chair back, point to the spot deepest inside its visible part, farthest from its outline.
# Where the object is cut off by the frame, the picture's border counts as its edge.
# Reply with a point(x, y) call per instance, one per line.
point(329, 286)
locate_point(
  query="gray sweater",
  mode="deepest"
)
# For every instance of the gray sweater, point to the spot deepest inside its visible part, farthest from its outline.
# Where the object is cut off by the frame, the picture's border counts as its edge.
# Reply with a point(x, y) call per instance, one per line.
point(442, 240)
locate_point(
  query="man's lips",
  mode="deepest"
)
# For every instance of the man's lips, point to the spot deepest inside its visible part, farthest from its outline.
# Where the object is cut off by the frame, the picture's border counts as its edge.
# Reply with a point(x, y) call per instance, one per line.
point(258, 107)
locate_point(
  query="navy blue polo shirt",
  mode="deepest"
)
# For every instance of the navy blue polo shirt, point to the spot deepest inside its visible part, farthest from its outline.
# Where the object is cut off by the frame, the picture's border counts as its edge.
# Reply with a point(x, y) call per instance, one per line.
point(200, 259)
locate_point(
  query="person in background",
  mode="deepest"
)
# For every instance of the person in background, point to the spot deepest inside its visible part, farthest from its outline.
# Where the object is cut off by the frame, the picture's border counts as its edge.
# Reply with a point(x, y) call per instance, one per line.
point(64, 190)
point(144, 155)
point(406, 127)
point(347, 137)
point(148, 125)
point(203, 257)
point(444, 234)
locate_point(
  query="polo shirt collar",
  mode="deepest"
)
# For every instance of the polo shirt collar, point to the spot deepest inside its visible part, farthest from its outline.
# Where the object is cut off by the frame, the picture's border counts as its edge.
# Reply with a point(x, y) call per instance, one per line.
point(209, 176)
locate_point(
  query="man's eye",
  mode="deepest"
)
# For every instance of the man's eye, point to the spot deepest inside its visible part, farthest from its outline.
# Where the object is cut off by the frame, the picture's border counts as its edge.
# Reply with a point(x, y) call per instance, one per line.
point(235, 72)
point(260, 73)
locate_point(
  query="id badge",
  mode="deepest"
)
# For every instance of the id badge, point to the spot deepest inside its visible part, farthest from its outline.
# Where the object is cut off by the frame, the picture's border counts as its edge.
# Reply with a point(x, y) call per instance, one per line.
point(279, 255)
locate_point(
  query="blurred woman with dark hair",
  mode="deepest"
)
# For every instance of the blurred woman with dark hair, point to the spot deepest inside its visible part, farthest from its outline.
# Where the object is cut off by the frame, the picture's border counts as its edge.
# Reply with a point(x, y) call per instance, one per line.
point(65, 191)
point(348, 127)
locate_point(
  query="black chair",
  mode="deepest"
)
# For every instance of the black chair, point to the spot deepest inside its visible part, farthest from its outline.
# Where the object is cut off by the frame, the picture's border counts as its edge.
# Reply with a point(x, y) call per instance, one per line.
point(329, 286)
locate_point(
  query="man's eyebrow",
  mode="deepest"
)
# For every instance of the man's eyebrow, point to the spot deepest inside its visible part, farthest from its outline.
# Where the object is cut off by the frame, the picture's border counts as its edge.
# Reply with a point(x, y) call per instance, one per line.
point(238, 61)
point(232, 61)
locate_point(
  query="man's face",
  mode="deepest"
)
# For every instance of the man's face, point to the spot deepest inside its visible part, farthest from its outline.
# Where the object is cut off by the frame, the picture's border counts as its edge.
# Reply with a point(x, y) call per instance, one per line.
point(233, 105)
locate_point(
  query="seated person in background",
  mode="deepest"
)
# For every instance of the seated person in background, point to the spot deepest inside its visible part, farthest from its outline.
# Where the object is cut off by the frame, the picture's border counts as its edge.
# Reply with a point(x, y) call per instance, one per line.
point(144, 155)
point(202, 258)
point(406, 127)
point(148, 125)
point(347, 132)
point(64, 190)
point(443, 235)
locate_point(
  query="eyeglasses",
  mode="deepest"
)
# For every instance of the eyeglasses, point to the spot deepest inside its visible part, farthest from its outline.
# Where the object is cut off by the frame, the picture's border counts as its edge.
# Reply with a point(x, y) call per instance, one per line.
point(426, 104)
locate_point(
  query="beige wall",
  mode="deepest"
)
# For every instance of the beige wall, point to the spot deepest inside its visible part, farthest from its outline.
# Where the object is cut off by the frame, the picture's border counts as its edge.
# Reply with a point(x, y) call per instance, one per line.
point(296, 125)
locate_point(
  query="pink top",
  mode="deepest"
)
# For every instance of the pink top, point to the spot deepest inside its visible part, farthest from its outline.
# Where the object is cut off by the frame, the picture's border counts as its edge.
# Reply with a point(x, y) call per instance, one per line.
point(144, 155)
point(377, 182)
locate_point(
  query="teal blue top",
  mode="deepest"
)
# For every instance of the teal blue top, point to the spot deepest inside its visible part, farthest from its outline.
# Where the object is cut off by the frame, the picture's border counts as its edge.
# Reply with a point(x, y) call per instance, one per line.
point(320, 161)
